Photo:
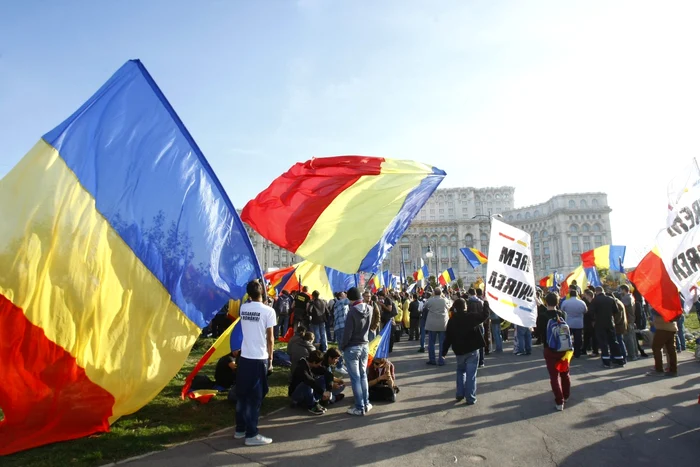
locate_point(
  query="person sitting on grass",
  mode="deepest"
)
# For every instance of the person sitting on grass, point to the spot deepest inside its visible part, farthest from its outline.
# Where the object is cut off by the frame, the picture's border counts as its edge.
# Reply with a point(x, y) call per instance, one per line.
point(305, 389)
point(300, 346)
point(324, 375)
point(381, 379)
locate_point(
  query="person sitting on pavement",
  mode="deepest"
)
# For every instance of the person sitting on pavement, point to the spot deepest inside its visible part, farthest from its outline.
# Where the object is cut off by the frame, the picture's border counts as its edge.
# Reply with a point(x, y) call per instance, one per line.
point(305, 389)
point(381, 379)
point(300, 346)
point(464, 336)
point(324, 375)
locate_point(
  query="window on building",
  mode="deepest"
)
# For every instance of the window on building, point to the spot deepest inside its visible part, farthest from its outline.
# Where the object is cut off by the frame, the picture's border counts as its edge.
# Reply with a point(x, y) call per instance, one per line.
point(595, 203)
point(598, 241)
point(442, 211)
point(537, 213)
point(469, 240)
point(424, 240)
point(451, 211)
point(574, 246)
point(535, 236)
point(453, 238)
point(545, 234)
point(424, 250)
point(404, 239)
point(583, 204)
point(586, 243)
point(432, 211)
point(484, 238)
point(510, 218)
point(545, 246)
point(519, 216)
point(405, 253)
point(443, 252)
point(572, 204)
point(573, 228)
point(527, 215)
point(596, 227)
point(454, 252)
point(537, 249)
point(586, 228)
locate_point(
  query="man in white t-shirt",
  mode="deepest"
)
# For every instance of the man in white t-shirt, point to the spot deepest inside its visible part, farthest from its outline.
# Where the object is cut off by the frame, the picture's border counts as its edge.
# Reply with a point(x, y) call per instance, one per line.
point(257, 324)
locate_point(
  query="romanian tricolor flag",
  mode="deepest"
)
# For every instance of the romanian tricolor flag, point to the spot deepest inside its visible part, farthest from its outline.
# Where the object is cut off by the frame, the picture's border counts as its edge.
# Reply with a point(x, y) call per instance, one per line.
point(547, 282)
point(117, 245)
point(651, 279)
point(327, 281)
point(319, 208)
point(604, 257)
point(421, 273)
point(379, 347)
point(375, 283)
point(474, 257)
point(580, 276)
point(229, 341)
point(447, 277)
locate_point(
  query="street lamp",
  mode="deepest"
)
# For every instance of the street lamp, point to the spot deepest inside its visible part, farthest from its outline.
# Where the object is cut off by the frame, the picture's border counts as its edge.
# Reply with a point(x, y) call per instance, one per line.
point(429, 255)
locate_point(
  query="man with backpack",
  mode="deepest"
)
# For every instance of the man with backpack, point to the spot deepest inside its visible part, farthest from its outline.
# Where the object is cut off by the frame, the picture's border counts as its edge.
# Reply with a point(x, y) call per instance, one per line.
point(282, 306)
point(317, 311)
point(556, 339)
point(340, 313)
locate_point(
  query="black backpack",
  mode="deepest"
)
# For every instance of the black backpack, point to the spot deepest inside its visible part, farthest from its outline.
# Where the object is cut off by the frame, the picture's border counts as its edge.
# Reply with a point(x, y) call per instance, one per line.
point(282, 306)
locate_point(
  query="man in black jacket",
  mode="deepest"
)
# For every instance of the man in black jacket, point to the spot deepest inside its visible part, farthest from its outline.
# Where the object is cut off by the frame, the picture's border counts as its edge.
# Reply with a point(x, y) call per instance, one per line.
point(305, 388)
point(604, 309)
point(465, 338)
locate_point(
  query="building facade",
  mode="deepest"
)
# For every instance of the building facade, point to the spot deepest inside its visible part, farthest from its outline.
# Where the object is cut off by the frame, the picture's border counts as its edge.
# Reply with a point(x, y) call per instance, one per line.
point(561, 228)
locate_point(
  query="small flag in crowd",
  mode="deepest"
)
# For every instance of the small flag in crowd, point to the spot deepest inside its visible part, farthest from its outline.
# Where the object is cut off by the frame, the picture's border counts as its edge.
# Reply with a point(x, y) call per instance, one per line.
point(379, 347)
point(447, 277)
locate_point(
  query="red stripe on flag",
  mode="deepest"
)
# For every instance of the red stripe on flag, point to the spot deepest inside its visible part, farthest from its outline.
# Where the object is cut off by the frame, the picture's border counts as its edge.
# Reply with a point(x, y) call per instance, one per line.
point(652, 280)
point(41, 385)
point(588, 259)
point(200, 364)
point(506, 236)
point(492, 296)
point(286, 211)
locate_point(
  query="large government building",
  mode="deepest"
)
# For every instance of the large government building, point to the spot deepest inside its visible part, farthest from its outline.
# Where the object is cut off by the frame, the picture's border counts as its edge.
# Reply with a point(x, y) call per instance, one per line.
point(562, 228)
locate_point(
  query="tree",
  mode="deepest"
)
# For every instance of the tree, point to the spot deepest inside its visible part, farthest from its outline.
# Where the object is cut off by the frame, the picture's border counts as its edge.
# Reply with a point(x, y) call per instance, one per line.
point(433, 283)
point(409, 280)
point(460, 283)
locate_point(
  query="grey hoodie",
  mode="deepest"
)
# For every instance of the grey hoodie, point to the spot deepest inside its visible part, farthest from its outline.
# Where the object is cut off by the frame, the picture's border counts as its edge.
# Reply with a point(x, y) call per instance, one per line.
point(356, 325)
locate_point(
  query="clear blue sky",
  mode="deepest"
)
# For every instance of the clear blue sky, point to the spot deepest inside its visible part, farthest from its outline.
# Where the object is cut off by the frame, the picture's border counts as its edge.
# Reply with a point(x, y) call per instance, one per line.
point(549, 97)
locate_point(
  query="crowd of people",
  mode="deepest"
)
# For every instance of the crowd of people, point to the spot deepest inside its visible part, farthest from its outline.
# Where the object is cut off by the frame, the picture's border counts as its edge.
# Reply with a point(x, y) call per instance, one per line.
point(612, 326)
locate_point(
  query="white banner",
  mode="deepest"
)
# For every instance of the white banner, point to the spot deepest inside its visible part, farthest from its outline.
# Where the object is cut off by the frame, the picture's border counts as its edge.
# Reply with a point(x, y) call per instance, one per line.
point(510, 280)
point(679, 245)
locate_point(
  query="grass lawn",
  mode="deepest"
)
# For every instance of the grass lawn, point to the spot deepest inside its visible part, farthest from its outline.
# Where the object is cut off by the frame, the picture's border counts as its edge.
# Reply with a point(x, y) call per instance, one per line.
point(692, 324)
point(167, 420)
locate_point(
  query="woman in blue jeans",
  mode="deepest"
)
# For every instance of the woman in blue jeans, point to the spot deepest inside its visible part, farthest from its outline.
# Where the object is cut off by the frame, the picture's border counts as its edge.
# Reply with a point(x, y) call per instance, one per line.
point(465, 338)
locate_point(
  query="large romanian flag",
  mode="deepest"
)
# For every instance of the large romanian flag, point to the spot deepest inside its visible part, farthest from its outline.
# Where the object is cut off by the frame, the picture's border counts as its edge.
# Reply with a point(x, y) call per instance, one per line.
point(344, 212)
point(474, 257)
point(605, 257)
point(117, 245)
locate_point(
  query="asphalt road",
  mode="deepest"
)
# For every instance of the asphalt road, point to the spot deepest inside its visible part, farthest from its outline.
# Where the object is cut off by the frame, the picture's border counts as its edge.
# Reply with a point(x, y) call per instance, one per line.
point(615, 417)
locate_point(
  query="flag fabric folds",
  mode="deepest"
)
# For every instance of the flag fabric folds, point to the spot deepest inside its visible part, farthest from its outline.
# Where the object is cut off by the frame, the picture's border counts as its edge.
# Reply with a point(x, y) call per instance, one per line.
point(118, 246)
point(604, 257)
point(474, 257)
point(651, 279)
point(579, 275)
point(375, 283)
point(229, 341)
point(315, 209)
point(326, 280)
point(379, 347)
point(447, 277)
point(547, 282)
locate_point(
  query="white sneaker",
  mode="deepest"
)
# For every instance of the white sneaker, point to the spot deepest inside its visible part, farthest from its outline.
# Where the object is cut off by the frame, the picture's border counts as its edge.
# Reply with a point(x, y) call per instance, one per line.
point(368, 407)
point(356, 412)
point(239, 435)
point(342, 371)
point(258, 440)
point(559, 407)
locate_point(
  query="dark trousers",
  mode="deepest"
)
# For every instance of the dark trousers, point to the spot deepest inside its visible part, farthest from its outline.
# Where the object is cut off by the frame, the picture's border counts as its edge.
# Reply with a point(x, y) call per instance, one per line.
point(381, 393)
point(609, 349)
point(560, 382)
point(414, 330)
point(590, 341)
point(578, 341)
point(251, 388)
point(487, 335)
point(667, 340)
